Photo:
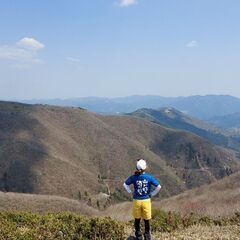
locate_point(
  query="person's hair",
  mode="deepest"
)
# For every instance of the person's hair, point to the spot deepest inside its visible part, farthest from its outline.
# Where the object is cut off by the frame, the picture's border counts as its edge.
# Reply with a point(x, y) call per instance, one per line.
point(138, 172)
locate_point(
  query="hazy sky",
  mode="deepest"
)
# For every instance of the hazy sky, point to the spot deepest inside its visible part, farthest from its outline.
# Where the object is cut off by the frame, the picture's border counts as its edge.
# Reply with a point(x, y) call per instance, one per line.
point(77, 48)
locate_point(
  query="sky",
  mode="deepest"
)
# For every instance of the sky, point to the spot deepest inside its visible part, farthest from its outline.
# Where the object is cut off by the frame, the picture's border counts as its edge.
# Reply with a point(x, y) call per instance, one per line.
point(112, 48)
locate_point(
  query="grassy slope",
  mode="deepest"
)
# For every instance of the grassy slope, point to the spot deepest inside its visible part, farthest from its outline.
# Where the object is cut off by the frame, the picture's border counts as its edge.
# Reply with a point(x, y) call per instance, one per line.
point(194, 160)
point(203, 233)
point(217, 199)
point(175, 119)
point(220, 198)
point(61, 151)
point(43, 203)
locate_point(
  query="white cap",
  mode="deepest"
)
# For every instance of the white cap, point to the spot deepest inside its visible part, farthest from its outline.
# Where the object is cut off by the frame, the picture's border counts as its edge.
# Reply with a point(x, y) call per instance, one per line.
point(141, 164)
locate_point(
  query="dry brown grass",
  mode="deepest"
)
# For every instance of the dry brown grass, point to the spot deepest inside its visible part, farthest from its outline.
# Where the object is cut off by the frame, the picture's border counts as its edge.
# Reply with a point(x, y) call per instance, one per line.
point(200, 232)
point(63, 151)
point(121, 211)
point(221, 198)
point(218, 199)
point(194, 160)
point(43, 203)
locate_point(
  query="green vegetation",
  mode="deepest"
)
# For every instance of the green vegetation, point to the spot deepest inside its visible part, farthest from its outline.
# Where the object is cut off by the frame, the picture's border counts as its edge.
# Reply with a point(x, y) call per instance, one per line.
point(30, 226)
point(169, 222)
point(69, 226)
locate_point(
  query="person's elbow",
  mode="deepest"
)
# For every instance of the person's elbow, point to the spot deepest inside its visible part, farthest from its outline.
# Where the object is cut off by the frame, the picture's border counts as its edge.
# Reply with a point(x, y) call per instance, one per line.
point(127, 187)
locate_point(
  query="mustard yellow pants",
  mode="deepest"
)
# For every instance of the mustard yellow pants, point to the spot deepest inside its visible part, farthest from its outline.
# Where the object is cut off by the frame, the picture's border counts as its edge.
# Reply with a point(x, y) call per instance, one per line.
point(142, 209)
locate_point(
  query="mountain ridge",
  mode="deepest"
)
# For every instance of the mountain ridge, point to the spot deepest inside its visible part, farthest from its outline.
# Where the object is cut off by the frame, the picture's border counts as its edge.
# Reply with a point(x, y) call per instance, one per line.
point(230, 121)
point(175, 119)
point(202, 107)
point(71, 152)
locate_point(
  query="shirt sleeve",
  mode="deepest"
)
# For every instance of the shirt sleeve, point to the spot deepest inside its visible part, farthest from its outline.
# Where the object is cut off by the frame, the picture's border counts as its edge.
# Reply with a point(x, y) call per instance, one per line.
point(156, 190)
point(154, 182)
point(127, 188)
point(129, 181)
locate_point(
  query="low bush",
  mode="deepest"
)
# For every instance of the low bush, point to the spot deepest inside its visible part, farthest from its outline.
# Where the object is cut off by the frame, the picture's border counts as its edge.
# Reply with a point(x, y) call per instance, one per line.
point(165, 222)
point(168, 222)
point(69, 226)
point(30, 226)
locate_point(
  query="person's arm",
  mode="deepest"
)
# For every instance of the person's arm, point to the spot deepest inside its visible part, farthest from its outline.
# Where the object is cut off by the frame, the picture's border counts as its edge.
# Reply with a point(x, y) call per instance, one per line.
point(155, 191)
point(127, 183)
point(157, 186)
point(127, 188)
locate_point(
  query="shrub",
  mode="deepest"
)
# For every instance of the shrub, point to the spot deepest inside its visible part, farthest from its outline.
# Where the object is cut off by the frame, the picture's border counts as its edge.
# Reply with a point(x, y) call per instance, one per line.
point(165, 222)
point(69, 226)
point(168, 222)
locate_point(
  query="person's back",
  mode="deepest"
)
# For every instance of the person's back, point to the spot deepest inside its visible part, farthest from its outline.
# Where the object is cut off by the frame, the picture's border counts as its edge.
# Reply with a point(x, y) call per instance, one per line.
point(142, 183)
point(142, 194)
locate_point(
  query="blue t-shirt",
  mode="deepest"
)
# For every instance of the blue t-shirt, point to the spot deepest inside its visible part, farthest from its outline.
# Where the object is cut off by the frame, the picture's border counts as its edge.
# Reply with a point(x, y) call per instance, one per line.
point(142, 185)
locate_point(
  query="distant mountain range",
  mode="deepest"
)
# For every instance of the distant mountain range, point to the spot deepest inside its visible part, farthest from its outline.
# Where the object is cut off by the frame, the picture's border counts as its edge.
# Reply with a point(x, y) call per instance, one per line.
point(71, 152)
point(173, 118)
point(231, 121)
point(202, 107)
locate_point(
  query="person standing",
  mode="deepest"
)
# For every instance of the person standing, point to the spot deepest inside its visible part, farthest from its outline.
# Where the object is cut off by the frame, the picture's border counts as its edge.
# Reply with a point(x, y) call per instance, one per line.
point(142, 182)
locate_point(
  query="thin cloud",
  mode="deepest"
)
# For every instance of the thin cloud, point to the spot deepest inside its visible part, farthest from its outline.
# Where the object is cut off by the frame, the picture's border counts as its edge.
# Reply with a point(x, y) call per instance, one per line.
point(30, 43)
point(73, 59)
point(23, 53)
point(21, 66)
point(192, 44)
point(126, 3)
point(14, 53)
